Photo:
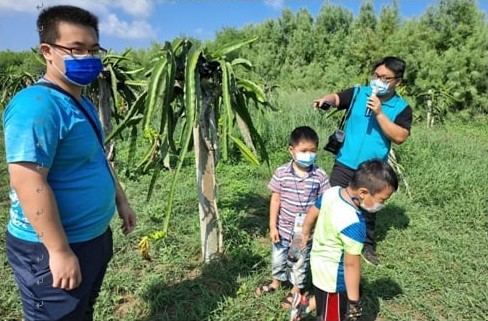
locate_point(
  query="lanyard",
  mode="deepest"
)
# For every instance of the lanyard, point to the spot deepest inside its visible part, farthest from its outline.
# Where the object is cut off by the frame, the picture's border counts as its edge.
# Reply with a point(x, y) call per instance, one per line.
point(298, 194)
point(80, 107)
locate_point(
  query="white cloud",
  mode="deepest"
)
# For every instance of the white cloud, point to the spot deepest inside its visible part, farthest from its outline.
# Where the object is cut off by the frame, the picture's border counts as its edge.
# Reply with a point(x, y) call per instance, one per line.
point(139, 8)
point(20, 6)
point(202, 33)
point(34, 6)
point(137, 29)
point(275, 4)
point(107, 11)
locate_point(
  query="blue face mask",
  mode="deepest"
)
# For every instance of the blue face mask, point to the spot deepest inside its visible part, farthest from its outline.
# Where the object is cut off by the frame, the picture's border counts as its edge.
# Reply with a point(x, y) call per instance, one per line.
point(379, 86)
point(81, 70)
point(305, 159)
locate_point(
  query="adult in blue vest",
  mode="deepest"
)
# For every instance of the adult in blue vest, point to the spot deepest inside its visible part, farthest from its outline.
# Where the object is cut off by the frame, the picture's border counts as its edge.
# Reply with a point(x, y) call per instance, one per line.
point(64, 192)
point(378, 116)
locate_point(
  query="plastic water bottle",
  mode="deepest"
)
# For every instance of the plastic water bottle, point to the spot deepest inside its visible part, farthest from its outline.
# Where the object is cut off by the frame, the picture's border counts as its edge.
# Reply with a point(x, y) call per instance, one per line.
point(295, 251)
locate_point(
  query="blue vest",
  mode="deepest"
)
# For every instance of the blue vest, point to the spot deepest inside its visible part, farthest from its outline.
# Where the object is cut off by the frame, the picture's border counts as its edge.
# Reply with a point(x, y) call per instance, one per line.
point(364, 139)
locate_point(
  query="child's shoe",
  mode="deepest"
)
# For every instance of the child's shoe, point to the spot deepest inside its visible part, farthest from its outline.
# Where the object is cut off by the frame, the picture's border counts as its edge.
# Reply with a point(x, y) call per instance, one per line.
point(299, 307)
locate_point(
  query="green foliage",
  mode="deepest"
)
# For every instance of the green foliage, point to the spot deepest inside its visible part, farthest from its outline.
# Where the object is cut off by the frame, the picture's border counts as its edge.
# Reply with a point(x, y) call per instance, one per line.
point(429, 242)
point(190, 88)
point(444, 48)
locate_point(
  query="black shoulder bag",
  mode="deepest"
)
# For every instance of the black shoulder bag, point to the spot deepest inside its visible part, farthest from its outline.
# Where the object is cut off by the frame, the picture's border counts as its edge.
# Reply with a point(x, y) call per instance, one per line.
point(336, 140)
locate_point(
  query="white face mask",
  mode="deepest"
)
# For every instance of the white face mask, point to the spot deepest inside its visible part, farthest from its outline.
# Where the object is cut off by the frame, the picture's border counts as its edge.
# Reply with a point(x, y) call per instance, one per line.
point(380, 87)
point(305, 159)
point(373, 209)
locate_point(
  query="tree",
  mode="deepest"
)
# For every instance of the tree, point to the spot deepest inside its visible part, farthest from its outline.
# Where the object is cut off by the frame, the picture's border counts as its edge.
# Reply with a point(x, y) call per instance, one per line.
point(114, 90)
point(195, 93)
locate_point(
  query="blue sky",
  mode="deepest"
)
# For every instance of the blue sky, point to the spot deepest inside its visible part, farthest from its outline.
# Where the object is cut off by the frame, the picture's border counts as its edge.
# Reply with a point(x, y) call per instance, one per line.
point(138, 23)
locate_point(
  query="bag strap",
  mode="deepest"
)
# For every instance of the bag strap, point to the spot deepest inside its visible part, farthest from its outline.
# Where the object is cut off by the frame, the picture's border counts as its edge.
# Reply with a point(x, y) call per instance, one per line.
point(80, 107)
point(349, 110)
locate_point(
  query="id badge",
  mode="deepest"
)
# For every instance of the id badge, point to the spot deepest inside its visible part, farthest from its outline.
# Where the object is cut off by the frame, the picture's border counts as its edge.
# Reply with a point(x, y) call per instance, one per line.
point(299, 219)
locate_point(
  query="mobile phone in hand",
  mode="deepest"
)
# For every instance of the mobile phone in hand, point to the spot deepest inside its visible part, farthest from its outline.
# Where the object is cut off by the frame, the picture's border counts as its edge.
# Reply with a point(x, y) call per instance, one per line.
point(326, 105)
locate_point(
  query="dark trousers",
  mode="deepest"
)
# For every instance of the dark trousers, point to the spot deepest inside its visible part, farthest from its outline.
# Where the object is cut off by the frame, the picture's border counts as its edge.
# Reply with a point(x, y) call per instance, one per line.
point(341, 176)
point(42, 302)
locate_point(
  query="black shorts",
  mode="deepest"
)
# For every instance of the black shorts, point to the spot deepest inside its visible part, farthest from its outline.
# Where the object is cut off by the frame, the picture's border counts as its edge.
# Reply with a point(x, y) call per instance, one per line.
point(42, 302)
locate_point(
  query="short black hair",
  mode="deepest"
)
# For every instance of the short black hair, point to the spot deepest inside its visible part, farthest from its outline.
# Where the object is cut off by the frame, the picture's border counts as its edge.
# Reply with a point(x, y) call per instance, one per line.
point(374, 175)
point(303, 133)
point(49, 19)
point(395, 64)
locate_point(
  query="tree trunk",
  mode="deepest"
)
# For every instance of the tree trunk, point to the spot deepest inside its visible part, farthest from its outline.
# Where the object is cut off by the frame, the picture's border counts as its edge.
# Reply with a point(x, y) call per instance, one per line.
point(245, 133)
point(430, 114)
point(210, 224)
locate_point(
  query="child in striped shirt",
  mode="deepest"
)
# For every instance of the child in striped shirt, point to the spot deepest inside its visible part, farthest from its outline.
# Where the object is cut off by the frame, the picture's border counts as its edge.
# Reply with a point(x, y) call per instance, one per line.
point(295, 186)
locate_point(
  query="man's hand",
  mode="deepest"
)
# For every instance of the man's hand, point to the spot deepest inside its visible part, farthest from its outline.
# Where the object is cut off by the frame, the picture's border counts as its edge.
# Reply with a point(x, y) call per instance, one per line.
point(128, 218)
point(331, 100)
point(374, 104)
point(354, 310)
point(274, 235)
point(65, 269)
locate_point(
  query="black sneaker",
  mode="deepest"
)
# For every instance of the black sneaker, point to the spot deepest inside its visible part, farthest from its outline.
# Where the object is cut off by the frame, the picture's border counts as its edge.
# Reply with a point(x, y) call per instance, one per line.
point(369, 255)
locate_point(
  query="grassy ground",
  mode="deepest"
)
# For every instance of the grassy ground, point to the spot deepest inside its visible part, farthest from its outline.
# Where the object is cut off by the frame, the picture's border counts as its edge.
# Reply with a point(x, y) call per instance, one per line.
point(432, 244)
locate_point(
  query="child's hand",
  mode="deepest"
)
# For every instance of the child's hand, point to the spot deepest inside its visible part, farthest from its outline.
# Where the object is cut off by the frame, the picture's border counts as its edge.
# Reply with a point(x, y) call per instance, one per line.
point(305, 238)
point(274, 235)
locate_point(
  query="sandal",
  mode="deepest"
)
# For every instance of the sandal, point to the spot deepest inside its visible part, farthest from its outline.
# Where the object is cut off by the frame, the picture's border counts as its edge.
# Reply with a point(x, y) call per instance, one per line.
point(287, 301)
point(300, 307)
point(265, 289)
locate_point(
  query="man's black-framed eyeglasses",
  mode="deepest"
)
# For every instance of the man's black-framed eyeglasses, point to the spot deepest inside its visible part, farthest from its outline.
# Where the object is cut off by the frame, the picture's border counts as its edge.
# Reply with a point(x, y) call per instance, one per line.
point(80, 51)
point(382, 77)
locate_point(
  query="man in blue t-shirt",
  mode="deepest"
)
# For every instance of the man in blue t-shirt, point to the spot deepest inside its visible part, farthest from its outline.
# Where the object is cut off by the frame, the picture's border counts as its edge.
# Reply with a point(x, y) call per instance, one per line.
point(377, 116)
point(63, 191)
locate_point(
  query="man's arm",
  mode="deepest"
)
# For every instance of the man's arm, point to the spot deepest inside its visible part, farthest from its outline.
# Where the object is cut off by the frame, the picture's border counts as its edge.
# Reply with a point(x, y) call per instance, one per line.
point(29, 181)
point(392, 131)
point(352, 275)
point(333, 99)
point(124, 209)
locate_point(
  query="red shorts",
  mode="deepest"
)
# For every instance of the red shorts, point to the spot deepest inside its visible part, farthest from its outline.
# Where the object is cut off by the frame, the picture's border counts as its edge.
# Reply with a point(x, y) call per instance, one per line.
point(330, 306)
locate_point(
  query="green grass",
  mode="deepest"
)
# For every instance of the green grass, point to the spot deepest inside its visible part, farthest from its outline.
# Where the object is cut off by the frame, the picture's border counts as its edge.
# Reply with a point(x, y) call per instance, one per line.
point(432, 245)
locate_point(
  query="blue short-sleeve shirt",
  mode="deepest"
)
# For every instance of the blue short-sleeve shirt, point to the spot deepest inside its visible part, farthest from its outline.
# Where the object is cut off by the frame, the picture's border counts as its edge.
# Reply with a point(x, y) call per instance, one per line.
point(44, 126)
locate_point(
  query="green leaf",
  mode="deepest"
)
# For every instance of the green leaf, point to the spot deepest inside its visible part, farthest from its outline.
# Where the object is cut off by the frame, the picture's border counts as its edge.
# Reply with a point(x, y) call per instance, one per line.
point(133, 72)
point(136, 107)
point(192, 97)
point(246, 152)
point(252, 88)
point(225, 51)
point(167, 112)
point(228, 113)
point(242, 110)
point(241, 61)
point(113, 82)
point(156, 87)
point(140, 83)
